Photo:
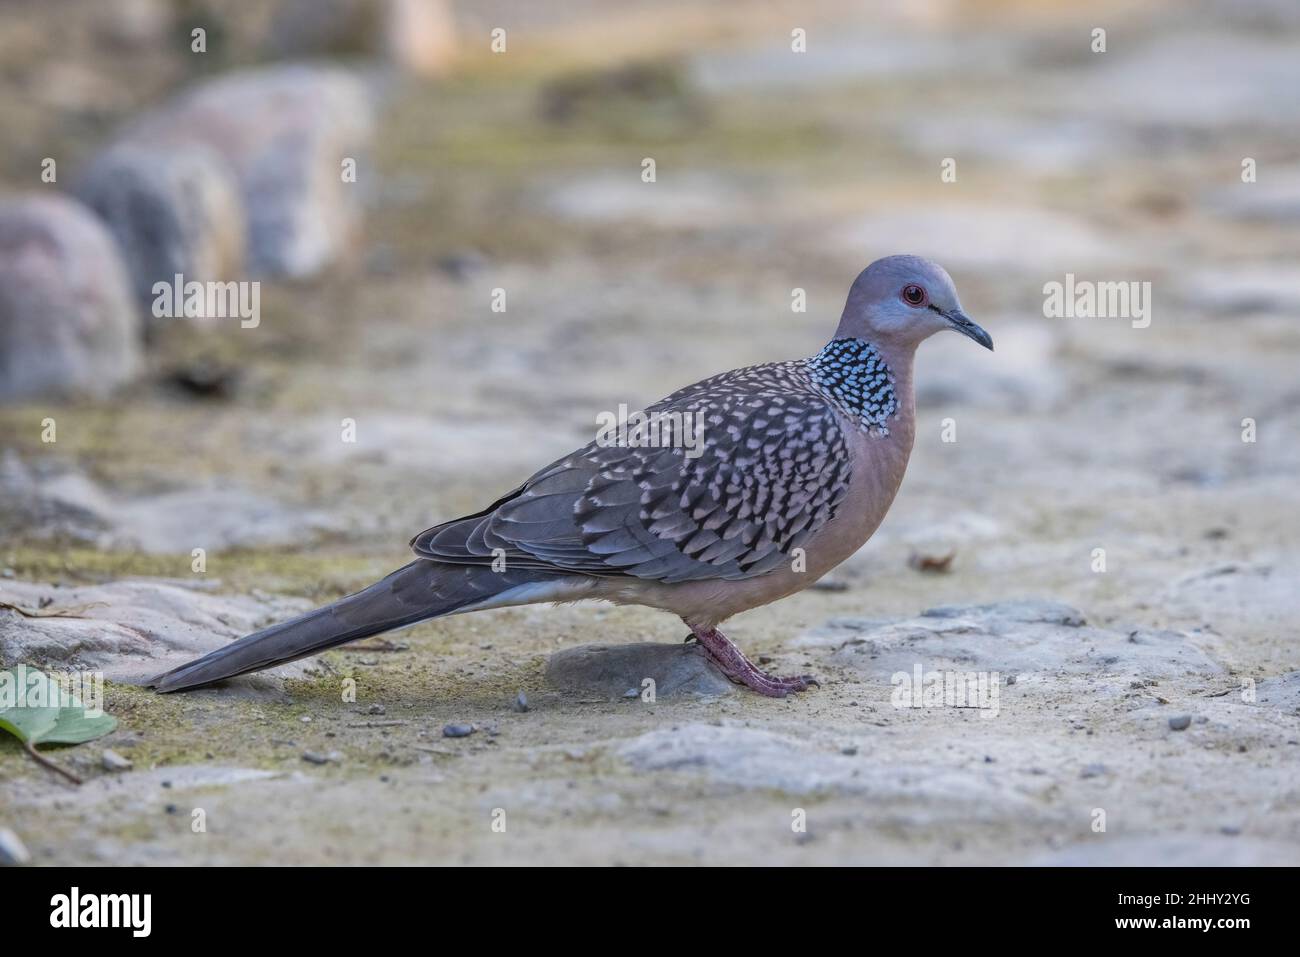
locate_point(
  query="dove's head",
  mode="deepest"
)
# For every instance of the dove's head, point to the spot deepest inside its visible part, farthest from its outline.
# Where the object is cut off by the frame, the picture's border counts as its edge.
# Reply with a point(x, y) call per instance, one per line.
point(900, 300)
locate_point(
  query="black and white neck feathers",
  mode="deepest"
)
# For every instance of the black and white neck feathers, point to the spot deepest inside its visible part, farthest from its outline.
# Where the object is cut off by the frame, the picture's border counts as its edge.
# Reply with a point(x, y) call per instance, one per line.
point(853, 374)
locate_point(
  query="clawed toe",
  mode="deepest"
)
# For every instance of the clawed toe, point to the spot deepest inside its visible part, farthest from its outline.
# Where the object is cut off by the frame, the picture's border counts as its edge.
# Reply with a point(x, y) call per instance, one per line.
point(800, 683)
point(780, 687)
point(771, 685)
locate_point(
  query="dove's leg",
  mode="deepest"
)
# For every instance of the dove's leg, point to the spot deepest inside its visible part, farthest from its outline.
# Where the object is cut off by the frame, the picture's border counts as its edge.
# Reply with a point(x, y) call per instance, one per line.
point(741, 670)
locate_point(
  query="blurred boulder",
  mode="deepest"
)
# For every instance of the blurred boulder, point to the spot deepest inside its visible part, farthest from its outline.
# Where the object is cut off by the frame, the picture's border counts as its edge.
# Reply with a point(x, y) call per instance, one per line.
point(67, 321)
point(133, 24)
point(171, 210)
point(418, 36)
point(289, 134)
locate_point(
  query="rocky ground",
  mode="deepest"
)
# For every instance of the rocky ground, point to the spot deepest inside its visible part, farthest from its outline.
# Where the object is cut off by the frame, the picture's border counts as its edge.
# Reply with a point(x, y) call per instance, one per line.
point(1146, 706)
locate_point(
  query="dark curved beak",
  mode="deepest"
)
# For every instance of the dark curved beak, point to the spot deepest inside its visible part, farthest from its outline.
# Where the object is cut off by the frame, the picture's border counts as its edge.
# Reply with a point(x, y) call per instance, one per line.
point(963, 324)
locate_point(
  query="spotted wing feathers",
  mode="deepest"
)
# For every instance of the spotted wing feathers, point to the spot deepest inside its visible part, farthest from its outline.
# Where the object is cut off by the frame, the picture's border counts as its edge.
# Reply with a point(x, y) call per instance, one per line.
point(746, 467)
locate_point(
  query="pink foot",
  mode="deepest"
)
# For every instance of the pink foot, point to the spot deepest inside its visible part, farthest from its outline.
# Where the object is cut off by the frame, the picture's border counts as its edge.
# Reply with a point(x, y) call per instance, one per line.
point(742, 671)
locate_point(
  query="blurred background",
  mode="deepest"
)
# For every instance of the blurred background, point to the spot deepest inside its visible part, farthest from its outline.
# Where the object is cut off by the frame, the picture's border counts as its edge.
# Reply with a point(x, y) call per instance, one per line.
point(446, 207)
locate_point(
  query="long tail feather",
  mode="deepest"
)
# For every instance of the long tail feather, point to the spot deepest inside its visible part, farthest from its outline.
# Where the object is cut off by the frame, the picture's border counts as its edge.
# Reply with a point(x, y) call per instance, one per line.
point(408, 595)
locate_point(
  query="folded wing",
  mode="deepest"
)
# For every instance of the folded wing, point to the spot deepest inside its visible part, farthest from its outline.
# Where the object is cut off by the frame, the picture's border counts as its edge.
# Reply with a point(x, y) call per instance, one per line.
point(736, 472)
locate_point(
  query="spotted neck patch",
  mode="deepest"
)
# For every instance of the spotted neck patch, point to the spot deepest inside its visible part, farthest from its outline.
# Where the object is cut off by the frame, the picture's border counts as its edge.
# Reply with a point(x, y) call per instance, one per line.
point(854, 375)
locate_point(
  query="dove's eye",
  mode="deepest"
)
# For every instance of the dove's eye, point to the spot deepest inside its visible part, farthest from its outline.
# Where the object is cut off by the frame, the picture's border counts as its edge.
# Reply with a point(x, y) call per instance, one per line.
point(914, 295)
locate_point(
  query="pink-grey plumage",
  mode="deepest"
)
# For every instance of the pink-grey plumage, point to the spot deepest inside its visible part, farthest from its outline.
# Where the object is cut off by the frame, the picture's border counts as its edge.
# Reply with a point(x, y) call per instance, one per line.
point(794, 467)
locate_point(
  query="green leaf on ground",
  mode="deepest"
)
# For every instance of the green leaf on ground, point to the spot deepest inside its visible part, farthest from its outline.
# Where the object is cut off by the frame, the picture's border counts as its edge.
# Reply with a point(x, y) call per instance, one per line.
point(36, 709)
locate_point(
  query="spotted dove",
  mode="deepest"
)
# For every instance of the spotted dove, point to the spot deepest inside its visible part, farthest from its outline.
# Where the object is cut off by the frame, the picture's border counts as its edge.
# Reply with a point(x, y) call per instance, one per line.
point(795, 466)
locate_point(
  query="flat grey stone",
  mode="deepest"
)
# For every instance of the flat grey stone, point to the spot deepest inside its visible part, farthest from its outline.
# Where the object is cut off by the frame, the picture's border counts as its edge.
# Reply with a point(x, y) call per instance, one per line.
point(1238, 597)
point(1282, 692)
point(131, 630)
point(1007, 637)
point(1029, 611)
point(758, 759)
point(613, 670)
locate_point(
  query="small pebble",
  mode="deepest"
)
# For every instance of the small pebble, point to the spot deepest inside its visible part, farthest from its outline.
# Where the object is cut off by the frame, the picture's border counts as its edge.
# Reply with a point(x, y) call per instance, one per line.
point(850, 750)
point(305, 719)
point(13, 851)
point(376, 709)
point(457, 730)
point(315, 757)
point(520, 703)
point(1011, 679)
point(113, 761)
point(1180, 722)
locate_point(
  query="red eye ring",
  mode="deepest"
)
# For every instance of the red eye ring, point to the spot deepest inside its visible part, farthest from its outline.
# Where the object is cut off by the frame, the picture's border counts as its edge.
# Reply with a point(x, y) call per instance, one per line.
point(914, 295)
